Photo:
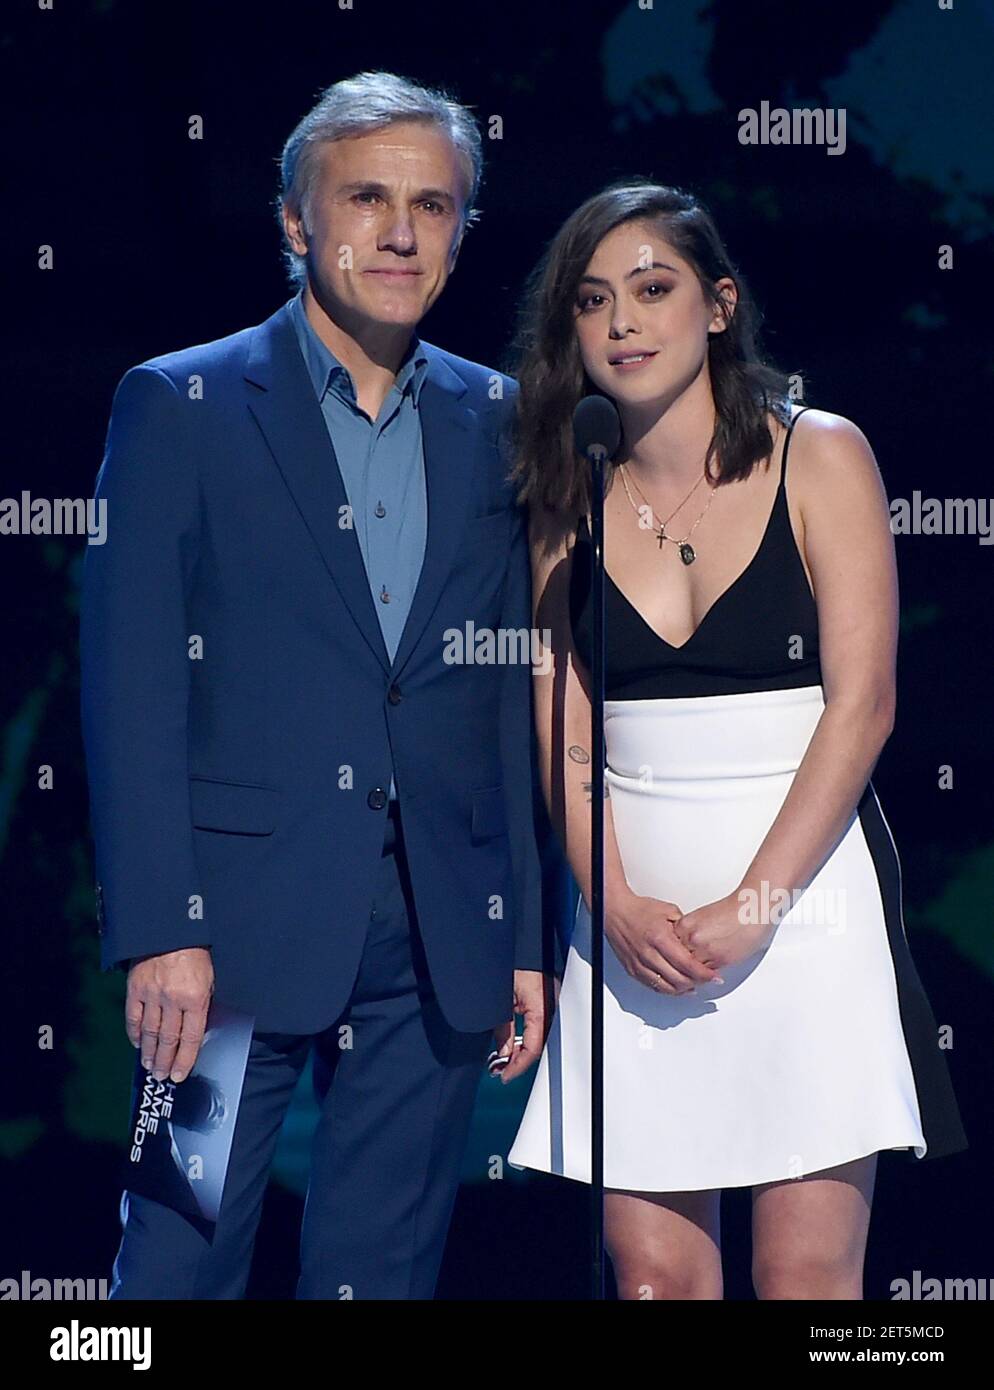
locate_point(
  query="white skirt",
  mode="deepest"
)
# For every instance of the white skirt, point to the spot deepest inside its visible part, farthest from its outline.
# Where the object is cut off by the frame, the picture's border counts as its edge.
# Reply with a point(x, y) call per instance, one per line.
point(798, 1062)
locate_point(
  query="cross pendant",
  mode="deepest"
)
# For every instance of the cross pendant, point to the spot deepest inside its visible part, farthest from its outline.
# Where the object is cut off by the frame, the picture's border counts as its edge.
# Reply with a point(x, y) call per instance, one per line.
point(661, 536)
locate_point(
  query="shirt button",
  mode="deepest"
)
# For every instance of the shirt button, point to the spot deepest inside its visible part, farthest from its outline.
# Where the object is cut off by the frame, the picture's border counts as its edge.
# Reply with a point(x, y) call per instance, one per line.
point(377, 799)
point(379, 510)
point(384, 596)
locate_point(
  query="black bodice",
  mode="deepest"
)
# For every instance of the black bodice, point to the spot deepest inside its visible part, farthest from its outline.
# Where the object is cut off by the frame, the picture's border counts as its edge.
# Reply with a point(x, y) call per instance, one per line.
point(760, 634)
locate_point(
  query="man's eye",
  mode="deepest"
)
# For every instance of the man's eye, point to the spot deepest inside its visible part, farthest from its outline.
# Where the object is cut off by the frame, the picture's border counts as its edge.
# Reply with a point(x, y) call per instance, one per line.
point(360, 196)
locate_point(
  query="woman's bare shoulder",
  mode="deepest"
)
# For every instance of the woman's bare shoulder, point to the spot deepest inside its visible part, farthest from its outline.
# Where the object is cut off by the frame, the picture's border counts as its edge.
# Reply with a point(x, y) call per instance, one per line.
point(832, 474)
point(828, 452)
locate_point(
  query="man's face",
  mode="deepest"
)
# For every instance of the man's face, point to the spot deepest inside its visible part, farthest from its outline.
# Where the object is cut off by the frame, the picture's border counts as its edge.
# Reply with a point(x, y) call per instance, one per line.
point(385, 225)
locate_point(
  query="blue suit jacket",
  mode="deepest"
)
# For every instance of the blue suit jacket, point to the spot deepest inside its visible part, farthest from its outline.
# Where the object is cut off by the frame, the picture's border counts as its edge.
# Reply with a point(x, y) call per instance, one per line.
point(241, 717)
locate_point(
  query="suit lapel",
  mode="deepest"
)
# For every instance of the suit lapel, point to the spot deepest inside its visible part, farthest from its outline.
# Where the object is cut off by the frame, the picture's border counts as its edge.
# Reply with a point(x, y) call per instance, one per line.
point(448, 430)
point(282, 400)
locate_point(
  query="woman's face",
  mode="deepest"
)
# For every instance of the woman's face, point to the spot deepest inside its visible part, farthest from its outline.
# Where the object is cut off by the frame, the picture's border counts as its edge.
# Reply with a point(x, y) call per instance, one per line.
point(642, 321)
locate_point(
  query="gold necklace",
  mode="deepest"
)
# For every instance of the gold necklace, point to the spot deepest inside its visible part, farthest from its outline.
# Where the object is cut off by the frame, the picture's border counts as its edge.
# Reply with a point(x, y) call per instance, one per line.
point(687, 552)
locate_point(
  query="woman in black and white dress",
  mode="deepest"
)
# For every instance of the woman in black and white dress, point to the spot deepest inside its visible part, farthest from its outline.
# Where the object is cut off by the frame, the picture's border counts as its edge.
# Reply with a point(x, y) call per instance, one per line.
point(764, 1022)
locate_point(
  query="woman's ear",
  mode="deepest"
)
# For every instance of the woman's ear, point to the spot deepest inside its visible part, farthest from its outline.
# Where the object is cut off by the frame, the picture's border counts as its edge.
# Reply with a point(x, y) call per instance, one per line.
point(728, 297)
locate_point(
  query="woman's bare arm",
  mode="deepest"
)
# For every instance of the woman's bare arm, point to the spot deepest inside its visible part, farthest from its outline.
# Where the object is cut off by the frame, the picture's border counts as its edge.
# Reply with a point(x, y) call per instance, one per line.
point(640, 929)
point(850, 551)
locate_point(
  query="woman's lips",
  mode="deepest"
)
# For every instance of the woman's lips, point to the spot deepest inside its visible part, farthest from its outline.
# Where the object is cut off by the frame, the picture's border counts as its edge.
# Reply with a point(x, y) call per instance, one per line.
point(633, 364)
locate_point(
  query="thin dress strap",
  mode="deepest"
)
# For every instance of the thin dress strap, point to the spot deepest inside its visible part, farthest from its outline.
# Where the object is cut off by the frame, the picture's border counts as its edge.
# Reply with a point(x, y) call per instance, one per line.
point(786, 443)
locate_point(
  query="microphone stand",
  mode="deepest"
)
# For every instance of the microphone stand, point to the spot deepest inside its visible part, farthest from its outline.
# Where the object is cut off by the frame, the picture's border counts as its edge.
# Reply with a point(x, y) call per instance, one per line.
point(597, 435)
point(597, 454)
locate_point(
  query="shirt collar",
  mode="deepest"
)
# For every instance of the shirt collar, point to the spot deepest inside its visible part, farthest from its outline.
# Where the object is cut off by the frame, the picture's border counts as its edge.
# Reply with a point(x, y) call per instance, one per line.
point(325, 370)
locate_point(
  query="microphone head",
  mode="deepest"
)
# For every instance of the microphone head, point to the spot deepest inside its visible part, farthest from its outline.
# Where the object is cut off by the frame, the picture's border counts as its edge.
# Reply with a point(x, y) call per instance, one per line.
point(596, 428)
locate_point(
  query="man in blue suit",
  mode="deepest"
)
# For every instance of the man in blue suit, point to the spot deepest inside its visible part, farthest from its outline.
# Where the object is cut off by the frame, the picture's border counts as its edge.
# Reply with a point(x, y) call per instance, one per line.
point(305, 797)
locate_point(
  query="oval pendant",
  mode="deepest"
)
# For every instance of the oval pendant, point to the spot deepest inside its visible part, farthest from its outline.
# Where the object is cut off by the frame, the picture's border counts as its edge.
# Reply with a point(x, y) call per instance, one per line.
point(687, 553)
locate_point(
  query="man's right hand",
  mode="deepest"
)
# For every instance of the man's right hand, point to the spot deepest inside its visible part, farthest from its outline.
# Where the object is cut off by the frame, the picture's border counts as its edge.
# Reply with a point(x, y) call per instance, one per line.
point(166, 1009)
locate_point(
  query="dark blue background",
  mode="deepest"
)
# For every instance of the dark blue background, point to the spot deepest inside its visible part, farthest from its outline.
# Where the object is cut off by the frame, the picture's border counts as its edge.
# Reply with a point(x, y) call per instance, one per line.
point(160, 242)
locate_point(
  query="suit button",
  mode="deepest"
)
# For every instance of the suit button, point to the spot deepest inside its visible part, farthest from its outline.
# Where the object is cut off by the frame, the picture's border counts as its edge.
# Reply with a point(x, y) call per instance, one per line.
point(394, 695)
point(377, 799)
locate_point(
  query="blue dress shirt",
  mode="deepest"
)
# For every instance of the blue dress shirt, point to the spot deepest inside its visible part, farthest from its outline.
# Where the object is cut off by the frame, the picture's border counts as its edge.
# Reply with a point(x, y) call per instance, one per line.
point(382, 466)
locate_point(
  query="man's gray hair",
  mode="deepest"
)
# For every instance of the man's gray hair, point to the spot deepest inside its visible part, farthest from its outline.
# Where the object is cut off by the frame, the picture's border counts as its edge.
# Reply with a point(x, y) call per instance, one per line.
point(355, 106)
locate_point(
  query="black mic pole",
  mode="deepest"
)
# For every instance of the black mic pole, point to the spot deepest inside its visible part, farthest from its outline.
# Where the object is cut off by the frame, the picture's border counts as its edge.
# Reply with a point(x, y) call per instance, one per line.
point(597, 432)
point(596, 454)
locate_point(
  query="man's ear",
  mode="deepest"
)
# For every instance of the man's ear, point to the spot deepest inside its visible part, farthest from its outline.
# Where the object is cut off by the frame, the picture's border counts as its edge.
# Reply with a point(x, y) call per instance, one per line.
point(293, 225)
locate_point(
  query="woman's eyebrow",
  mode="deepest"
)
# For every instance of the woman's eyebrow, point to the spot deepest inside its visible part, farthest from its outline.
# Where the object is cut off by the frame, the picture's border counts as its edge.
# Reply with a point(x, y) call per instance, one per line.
point(656, 265)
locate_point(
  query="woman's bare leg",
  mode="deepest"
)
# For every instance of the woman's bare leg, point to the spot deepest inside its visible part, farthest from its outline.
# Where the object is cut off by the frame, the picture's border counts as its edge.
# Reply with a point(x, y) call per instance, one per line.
point(664, 1244)
point(809, 1233)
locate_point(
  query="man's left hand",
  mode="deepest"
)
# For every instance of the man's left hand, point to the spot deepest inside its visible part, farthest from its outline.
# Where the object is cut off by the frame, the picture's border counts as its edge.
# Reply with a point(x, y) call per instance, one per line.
point(534, 998)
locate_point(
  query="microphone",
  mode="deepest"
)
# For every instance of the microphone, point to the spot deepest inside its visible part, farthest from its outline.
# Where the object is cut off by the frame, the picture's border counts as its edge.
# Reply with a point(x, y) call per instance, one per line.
point(597, 435)
point(596, 429)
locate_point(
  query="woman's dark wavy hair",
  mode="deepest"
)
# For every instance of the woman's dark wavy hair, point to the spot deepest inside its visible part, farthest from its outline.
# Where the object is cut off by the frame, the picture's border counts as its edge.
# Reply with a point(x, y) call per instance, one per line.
point(545, 356)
